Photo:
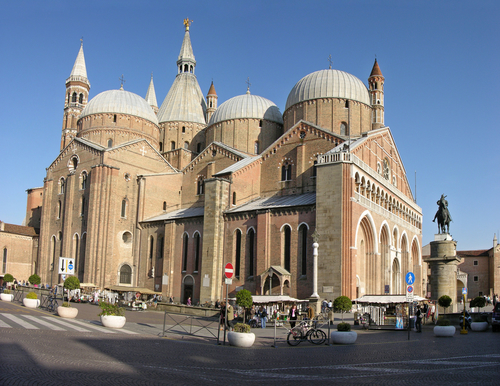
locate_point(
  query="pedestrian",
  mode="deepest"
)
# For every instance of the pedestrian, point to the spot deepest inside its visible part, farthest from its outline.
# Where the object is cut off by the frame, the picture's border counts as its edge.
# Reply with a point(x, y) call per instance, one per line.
point(217, 304)
point(310, 313)
point(418, 319)
point(433, 312)
point(189, 301)
point(263, 317)
point(426, 310)
point(293, 315)
point(230, 317)
point(222, 315)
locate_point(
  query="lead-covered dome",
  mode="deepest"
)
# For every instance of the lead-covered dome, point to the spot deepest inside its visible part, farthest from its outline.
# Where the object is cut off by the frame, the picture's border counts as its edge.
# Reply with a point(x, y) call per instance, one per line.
point(120, 102)
point(328, 84)
point(247, 106)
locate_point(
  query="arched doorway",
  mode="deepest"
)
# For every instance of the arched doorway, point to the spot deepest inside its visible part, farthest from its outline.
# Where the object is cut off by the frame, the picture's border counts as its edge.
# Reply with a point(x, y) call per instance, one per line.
point(187, 289)
point(396, 277)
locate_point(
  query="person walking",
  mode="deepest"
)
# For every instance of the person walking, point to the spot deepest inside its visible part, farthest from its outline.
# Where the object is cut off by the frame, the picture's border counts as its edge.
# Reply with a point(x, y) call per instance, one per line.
point(230, 317)
point(293, 315)
point(263, 317)
point(418, 321)
point(222, 315)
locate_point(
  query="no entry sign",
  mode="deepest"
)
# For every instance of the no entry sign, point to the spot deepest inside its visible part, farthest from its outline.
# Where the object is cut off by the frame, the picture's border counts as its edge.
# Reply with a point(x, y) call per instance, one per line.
point(228, 270)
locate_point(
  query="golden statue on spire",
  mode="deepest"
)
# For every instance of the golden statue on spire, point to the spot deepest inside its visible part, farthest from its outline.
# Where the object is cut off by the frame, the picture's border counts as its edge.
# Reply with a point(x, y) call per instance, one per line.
point(187, 23)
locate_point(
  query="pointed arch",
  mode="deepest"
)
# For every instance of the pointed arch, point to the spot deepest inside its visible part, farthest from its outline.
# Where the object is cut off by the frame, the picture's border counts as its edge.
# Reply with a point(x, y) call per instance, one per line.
point(366, 244)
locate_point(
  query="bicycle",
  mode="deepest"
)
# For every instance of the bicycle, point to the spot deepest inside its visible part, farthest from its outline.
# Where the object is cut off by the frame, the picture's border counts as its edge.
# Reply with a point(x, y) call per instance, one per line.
point(52, 306)
point(304, 331)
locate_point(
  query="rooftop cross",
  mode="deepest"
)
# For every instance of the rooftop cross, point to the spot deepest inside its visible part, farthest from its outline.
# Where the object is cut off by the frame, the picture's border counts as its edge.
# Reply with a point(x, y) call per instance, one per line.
point(330, 61)
point(122, 80)
point(248, 85)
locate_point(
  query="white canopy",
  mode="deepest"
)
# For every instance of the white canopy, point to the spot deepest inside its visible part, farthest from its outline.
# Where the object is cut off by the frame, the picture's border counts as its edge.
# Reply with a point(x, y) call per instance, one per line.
point(274, 299)
point(386, 299)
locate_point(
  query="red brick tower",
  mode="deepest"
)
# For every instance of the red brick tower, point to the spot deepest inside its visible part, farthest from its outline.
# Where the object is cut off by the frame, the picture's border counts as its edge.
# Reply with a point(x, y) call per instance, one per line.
point(376, 83)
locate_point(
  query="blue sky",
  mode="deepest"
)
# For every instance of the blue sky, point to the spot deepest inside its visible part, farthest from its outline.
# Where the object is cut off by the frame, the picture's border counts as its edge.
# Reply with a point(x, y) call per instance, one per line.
point(439, 58)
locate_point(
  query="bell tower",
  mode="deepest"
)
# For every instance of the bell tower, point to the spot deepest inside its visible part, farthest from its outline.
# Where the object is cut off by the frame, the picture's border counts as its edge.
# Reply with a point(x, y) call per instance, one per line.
point(77, 95)
point(211, 101)
point(376, 85)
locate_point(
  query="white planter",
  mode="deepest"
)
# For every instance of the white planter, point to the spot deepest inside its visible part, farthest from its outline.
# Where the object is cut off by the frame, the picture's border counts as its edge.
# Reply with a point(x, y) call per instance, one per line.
point(343, 337)
point(444, 330)
point(241, 339)
point(7, 297)
point(31, 303)
point(67, 312)
point(479, 326)
point(113, 321)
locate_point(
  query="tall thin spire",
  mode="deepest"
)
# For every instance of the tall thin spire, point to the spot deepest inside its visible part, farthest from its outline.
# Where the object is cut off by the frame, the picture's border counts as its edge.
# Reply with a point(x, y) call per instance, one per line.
point(151, 95)
point(79, 68)
point(186, 61)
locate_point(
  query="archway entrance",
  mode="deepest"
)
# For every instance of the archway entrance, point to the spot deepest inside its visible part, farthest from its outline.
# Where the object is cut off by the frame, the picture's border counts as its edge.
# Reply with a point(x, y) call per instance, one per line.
point(187, 289)
point(396, 275)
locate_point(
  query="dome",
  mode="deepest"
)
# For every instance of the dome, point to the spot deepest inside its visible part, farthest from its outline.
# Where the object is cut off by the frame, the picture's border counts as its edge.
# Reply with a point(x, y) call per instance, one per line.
point(328, 84)
point(247, 106)
point(120, 102)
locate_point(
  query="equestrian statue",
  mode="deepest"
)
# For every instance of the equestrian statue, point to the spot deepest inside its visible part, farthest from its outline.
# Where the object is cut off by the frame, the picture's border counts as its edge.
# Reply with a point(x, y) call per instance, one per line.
point(443, 215)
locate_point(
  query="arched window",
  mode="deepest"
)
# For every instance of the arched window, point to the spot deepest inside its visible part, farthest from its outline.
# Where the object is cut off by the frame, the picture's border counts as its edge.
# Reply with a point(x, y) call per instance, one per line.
point(59, 209)
point(73, 97)
point(83, 206)
point(184, 252)
point(114, 118)
point(61, 183)
point(286, 172)
point(234, 198)
point(125, 274)
point(164, 205)
point(160, 247)
point(124, 208)
point(151, 247)
point(197, 251)
point(69, 98)
point(186, 145)
point(161, 147)
point(110, 143)
point(237, 254)
point(251, 253)
point(172, 145)
point(315, 168)
point(346, 104)
point(183, 129)
point(287, 233)
point(303, 248)
point(198, 147)
point(201, 187)
point(387, 170)
point(186, 68)
point(74, 162)
point(80, 99)
point(256, 147)
point(343, 128)
point(84, 181)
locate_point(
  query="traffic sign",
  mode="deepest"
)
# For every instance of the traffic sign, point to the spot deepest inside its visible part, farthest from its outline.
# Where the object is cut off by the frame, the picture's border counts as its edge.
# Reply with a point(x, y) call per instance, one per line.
point(66, 266)
point(229, 270)
point(409, 293)
point(464, 291)
point(409, 289)
point(410, 278)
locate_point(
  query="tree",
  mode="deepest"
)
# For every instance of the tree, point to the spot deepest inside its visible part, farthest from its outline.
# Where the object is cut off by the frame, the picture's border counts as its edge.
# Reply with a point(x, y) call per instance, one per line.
point(478, 301)
point(444, 301)
point(244, 299)
point(34, 279)
point(72, 283)
point(342, 304)
point(8, 278)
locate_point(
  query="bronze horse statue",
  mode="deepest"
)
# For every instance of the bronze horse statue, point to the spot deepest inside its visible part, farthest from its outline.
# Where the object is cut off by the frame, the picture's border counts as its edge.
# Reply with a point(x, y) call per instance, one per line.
point(443, 215)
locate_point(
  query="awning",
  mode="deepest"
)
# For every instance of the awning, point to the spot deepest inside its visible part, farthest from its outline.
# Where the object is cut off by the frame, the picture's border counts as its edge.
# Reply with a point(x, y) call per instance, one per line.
point(87, 285)
point(386, 299)
point(274, 299)
point(121, 288)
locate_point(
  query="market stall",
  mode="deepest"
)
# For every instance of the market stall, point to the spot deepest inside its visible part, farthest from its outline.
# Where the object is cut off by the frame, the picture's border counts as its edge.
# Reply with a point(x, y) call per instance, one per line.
point(385, 311)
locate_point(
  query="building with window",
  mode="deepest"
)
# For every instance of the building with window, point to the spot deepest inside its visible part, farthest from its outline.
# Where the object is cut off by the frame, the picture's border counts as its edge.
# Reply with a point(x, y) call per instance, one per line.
point(163, 197)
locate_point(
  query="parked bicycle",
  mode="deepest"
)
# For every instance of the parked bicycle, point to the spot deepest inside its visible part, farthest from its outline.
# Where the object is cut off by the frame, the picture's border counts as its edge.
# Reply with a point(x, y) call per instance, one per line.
point(305, 331)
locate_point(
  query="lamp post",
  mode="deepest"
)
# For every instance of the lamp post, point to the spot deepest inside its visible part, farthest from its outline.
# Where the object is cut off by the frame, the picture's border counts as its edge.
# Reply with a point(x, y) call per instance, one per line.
point(315, 236)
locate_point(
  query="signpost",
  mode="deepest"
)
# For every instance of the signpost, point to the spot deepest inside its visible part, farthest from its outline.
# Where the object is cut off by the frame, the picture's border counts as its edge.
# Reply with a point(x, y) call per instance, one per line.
point(464, 330)
point(66, 266)
point(410, 281)
point(228, 272)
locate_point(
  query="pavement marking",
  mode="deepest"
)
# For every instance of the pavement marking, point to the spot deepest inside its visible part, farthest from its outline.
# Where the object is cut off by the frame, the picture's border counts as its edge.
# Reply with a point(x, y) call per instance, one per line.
point(98, 328)
point(65, 324)
point(4, 325)
point(44, 323)
point(21, 322)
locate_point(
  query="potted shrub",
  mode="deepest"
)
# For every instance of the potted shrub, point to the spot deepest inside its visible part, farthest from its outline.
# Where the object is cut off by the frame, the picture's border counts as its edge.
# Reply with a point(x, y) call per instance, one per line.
point(34, 280)
point(8, 278)
point(444, 328)
point(244, 300)
point(66, 311)
point(6, 296)
point(241, 336)
point(478, 323)
point(31, 300)
point(112, 315)
point(444, 301)
point(343, 335)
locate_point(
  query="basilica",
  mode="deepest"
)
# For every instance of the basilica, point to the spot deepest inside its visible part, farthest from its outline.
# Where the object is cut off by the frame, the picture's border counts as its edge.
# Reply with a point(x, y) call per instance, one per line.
point(164, 196)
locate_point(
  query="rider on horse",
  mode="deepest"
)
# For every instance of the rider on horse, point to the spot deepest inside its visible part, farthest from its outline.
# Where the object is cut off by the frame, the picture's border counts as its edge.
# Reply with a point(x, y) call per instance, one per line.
point(443, 215)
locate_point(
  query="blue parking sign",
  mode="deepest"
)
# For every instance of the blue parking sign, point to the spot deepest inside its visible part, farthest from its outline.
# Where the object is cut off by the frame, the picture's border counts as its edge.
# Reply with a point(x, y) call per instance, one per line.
point(410, 278)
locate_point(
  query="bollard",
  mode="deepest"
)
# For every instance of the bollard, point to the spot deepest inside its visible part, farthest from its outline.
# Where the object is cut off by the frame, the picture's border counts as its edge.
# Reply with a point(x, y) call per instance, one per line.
point(275, 322)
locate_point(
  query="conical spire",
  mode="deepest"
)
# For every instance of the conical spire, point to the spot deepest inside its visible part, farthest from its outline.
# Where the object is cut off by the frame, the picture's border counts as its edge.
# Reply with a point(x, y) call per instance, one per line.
point(79, 68)
point(376, 69)
point(151, 94)
point(186, 61)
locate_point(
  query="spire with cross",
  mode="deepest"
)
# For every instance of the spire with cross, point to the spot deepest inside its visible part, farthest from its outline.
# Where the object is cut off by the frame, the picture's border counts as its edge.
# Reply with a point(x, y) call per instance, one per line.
point(248, 85)
point(330, 61)
point(122, 80)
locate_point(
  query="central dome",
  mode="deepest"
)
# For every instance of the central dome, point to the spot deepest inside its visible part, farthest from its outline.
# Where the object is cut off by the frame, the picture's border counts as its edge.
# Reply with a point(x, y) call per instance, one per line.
point(328, 84)
point(247, 106)
point(120, 102)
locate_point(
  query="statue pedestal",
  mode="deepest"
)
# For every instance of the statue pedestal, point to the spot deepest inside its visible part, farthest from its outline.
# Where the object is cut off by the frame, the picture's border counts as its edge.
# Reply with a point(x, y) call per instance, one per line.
point(443, 264)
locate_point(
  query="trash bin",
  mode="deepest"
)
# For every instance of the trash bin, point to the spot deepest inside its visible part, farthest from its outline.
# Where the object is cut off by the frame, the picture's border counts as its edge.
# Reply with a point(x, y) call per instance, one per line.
point(412, 322)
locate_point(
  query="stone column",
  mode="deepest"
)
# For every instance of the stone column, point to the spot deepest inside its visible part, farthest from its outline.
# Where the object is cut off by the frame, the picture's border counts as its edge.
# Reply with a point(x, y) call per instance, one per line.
point(314, 298)
point(443, 263)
